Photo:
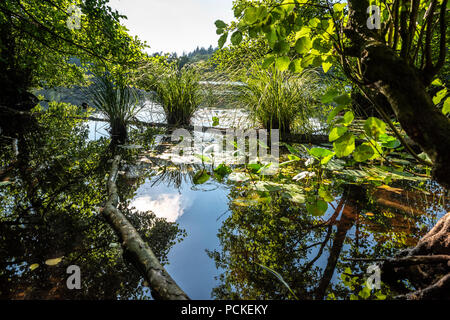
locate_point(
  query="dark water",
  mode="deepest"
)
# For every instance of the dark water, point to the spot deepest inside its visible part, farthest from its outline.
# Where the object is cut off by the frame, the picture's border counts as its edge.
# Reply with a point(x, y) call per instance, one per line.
point(217, 240)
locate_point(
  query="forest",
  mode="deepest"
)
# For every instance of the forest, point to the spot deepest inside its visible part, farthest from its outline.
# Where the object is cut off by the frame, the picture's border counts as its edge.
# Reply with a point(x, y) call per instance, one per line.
point(303, 156)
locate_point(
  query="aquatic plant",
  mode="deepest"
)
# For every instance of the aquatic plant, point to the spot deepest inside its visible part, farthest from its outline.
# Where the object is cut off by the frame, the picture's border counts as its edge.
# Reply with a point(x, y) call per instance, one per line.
point(118, 102)
point(281, 100)
point(179, 93)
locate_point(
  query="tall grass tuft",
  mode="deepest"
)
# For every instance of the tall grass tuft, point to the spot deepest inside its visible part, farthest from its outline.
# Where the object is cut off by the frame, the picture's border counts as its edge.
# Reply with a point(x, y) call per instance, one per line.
point(179, 93)
point(280, 100)
point(118, 102)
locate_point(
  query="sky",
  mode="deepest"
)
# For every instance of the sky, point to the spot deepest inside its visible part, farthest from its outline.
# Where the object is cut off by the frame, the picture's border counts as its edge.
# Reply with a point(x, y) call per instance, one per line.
point(174, 25)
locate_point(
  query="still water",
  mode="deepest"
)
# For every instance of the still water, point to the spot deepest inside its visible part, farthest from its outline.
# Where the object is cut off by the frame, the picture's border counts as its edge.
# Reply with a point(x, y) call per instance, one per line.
point(222, 239)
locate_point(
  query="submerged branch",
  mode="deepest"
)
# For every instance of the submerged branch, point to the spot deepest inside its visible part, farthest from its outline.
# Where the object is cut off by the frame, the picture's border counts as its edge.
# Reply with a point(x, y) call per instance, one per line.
point(163, 287)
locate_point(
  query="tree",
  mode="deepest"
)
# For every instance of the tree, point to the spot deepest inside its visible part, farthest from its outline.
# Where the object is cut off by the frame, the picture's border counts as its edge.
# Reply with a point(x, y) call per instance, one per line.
point(38, 47)
point(398, 61)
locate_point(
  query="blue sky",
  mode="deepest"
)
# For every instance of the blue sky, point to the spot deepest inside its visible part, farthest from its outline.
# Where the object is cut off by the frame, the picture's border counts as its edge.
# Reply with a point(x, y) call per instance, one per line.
point(174, 25)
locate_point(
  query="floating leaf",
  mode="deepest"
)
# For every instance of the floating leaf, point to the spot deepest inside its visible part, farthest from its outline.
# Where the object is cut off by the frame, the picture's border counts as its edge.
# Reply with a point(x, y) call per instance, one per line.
point(201, 177)
point(53, 262)
point(239, 177)
point(34, 266)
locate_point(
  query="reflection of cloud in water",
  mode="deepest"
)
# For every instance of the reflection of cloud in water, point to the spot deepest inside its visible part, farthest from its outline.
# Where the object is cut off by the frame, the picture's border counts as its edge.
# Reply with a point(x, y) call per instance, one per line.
point(167, 206)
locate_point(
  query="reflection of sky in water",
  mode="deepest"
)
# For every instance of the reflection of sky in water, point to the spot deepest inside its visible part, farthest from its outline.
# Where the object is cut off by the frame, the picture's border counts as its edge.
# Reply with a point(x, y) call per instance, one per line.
point(200, 213)
point(166, 206)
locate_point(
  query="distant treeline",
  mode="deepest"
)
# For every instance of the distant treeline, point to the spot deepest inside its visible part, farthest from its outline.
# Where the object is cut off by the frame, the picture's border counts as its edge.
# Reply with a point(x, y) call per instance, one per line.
point(199, 54)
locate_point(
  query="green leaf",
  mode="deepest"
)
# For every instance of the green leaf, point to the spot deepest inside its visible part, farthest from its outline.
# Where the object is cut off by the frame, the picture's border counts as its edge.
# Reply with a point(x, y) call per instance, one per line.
point(335, 112)
point(374, 127)
point(201, 177)
point(53, 262)
point(251, 15)
point(329, 96)
point(203, 158)
point(314, 22)
point(220, 24)
point(324, 155)
point(325, 195)
point(363, 152)
point(337, 132)
point(364, 293)
point(215, 121)
point(343, 99)
point(236, 38)
point(437, 82)
point(439, 96)
point(317, 208)
point(272, 37)
point(303, 45)
point(281, 47)
point(34, 266)
point(268, 62)
point(338, 7)
point(446, 107)
point(223, 39)
point(307, 60)
point(222, 170)
point(296, 66)
point(282, 63)
point(326, 66)
point(348, 118)
point(388, 141)
point(345, 145)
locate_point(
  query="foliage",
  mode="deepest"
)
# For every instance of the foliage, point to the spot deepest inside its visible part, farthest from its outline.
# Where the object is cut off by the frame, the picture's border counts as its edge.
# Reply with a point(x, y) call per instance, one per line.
point(118, 102)
point(179, 93)
point(49, 217)
point(280, 100)
point(38, 48)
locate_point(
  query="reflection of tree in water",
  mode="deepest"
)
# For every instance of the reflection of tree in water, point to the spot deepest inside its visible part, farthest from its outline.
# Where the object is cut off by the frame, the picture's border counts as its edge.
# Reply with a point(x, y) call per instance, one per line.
point(308, 252)
point(49, 208)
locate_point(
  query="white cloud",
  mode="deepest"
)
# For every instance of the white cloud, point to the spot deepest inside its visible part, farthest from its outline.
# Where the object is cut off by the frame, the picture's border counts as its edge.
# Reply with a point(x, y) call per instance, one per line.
point(167, 206)
point(175, 25)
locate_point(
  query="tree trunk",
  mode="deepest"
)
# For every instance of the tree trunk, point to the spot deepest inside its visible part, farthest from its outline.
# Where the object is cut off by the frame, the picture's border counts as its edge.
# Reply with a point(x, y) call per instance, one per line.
point(162, 285)
point(400, 82)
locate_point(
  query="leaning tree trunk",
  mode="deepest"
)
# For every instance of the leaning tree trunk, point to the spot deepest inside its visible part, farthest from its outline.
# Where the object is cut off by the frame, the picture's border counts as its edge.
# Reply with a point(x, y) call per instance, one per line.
point(404, 86)
point(137, 250)
point(401, 83)
point(413, 106)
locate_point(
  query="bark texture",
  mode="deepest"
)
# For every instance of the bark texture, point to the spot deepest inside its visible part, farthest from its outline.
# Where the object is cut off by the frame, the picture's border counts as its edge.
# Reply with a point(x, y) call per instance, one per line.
point(163, 287)
point(385, 71)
